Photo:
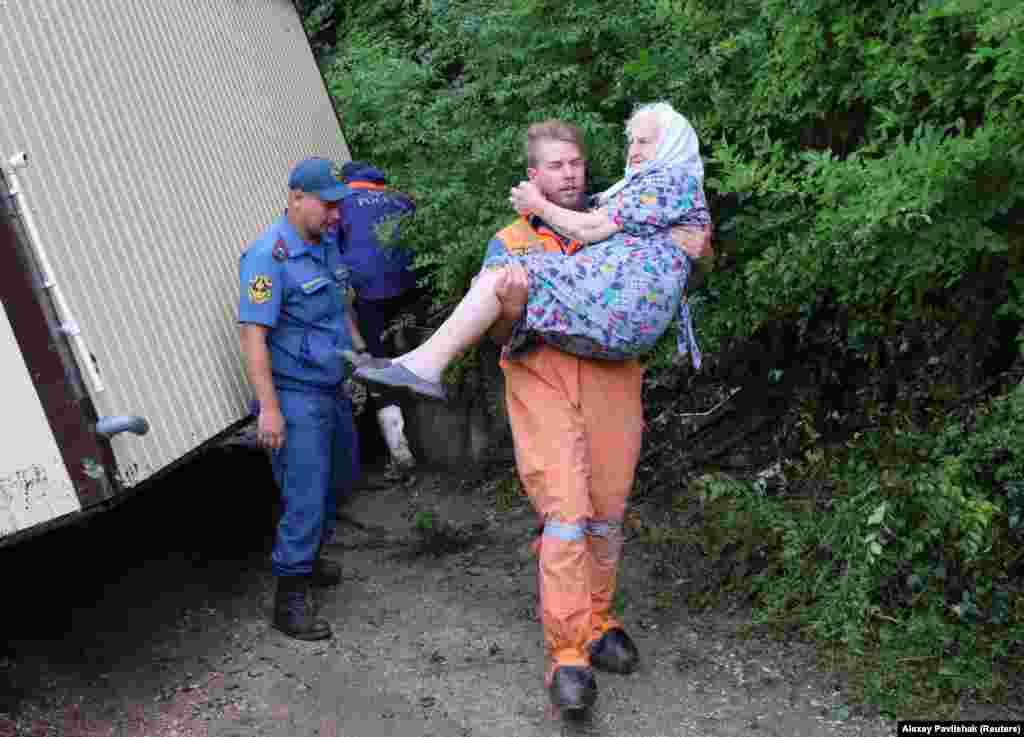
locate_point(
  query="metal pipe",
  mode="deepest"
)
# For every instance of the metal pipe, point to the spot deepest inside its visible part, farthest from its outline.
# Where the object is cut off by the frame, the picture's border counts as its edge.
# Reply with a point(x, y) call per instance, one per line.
point(113, 425)
point(68, 324)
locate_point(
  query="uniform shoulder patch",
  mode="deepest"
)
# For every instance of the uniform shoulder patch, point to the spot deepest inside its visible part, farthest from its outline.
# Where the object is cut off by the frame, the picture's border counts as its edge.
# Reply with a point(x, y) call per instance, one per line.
point(648, 198)
point(261, 289)
point(280, 252)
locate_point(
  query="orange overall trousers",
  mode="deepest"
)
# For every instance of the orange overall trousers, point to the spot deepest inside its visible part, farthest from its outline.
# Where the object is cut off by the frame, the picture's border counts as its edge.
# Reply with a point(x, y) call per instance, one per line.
point(577, 426)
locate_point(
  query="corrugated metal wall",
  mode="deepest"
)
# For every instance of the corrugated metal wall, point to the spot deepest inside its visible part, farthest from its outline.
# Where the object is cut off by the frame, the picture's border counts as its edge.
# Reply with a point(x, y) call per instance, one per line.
point(159, 137)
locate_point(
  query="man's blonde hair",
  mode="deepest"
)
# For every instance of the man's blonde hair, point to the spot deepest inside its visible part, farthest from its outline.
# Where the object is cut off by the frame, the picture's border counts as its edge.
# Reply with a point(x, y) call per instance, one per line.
point(550, 130)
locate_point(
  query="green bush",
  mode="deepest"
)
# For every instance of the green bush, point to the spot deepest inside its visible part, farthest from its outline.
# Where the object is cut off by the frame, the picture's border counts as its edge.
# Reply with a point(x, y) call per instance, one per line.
point(869, 150)
point(911, 562)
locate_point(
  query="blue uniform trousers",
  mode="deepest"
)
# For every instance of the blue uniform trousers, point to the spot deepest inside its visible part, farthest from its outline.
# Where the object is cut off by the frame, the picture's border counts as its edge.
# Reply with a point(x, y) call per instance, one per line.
point(317, 465)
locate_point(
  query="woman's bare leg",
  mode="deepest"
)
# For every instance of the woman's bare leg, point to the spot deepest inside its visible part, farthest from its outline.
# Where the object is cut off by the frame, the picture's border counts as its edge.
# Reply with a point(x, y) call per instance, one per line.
point(467, 324)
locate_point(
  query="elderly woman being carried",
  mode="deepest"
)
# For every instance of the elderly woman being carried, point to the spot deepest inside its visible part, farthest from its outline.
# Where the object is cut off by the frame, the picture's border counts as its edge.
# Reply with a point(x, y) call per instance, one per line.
point(612, 299)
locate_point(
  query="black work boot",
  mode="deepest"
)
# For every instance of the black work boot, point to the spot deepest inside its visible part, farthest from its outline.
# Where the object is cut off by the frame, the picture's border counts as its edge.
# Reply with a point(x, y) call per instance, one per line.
point(293, 612)
point(614, 652)
point(325, 573)
point(573, 688)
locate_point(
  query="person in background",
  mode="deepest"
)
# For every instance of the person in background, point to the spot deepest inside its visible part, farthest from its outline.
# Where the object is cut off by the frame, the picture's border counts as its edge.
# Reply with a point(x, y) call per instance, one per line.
point(368, 236)
point(294, 326)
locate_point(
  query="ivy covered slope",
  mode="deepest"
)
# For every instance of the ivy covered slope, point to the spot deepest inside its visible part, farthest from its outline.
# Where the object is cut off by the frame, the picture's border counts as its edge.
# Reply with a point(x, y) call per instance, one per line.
point(865, 164)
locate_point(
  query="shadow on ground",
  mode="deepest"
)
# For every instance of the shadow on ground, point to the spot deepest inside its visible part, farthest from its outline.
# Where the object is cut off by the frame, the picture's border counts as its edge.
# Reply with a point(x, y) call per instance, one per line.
point(86, 599)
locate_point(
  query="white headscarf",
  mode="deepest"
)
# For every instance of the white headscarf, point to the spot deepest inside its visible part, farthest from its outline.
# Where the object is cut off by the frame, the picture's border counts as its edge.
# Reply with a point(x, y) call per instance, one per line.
point(678, 148)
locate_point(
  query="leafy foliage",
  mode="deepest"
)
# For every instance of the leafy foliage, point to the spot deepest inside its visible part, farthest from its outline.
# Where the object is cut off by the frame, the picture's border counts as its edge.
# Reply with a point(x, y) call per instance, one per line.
point(909, 563)
point(871, 151)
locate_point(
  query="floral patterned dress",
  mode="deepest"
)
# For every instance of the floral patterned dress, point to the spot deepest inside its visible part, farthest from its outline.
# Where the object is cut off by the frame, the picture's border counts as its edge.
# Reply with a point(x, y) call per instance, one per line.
point(614, 299)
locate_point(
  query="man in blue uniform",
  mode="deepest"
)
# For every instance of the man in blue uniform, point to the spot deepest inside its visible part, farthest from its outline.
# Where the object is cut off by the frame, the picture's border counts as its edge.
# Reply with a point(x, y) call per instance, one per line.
point(293, 326)
point(368, 235)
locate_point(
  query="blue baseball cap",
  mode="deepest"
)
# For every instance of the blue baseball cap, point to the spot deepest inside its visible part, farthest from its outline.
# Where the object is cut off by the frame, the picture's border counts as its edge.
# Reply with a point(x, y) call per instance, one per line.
point(316, 176)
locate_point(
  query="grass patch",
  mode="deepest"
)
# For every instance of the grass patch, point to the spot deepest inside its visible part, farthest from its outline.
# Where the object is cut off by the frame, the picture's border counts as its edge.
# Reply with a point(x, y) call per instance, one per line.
point(663, 600)
point(619, 604)
point(438, 537)
point(508, 493)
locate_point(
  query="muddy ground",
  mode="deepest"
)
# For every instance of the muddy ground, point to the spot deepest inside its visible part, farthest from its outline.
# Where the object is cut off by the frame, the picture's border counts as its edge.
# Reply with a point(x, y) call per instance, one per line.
point(151, 620)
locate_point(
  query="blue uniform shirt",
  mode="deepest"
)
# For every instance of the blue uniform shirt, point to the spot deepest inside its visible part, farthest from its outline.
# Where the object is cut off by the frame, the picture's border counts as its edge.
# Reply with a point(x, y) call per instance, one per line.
point(369, 236)
point(297, 289)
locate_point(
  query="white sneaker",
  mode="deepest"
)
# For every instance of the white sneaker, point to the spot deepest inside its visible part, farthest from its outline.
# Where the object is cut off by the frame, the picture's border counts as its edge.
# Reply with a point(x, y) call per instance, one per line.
point(392, 426)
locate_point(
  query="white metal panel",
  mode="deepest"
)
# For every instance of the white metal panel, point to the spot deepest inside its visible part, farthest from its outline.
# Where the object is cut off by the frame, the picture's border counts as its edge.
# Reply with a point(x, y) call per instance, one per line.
point(34, 484)
point(159, 135)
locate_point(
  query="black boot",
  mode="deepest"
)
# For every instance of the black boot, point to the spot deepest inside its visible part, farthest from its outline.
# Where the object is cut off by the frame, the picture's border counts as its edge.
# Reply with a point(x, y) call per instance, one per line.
point(573, 688)
point(325, 573)
point(293, 612)
point(614, 652)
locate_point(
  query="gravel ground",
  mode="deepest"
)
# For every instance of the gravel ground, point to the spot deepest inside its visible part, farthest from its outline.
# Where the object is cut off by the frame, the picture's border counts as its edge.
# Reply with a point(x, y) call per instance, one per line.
point(151, 620)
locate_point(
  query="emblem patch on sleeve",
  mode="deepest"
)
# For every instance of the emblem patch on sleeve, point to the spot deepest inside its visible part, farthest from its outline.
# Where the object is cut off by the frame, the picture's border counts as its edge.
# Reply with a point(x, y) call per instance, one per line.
point(648, 198)
point(260, 289)
point(280, 252)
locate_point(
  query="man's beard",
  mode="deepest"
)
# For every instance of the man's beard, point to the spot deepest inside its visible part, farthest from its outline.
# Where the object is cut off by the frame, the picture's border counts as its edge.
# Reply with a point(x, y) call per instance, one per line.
point(579, 204)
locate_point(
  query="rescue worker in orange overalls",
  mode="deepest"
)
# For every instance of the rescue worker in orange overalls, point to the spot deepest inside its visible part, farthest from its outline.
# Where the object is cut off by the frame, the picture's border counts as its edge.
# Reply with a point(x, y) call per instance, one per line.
point(577, 425)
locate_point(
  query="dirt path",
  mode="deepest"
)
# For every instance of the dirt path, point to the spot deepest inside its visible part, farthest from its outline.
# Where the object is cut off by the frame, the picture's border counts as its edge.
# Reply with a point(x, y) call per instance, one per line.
point(164, 633)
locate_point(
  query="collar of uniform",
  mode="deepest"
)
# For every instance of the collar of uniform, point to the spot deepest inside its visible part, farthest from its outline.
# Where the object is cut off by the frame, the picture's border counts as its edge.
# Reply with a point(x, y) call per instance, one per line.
point(538, 224)
point(365, 184)
point(297, 246)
